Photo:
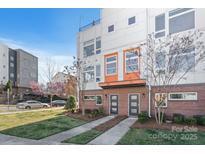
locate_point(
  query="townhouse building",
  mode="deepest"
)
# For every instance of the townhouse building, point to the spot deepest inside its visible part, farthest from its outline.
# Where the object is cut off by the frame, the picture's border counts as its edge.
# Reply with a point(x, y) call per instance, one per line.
point(104, 47)
point(18, 66)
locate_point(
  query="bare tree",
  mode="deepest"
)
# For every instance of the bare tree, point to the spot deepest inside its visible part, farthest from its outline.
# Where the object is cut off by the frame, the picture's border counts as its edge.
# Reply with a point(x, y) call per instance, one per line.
point(167, 61)
point(77, 69)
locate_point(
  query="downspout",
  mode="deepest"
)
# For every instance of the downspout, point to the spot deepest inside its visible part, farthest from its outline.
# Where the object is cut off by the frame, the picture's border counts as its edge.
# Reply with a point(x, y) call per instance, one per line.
point(149, 86)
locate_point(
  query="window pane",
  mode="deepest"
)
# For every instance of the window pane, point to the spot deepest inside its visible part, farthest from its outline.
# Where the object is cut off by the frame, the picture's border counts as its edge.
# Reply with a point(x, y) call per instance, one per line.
point(98, 44)
point(98, 100)
point(111, 70)
point(160, 22)
point(111, 65)
point(177, 11)
point(97, 70)
point(98, 51)
point(190, 96)
point(110, 59)
point(131, 20)
point(131, 54)
point(160, 34)
point(131, 61)
point(111, 28)
point(89, 50)
point(176, 96)
point(182, 22)
point(160, 59)
point(131, 68)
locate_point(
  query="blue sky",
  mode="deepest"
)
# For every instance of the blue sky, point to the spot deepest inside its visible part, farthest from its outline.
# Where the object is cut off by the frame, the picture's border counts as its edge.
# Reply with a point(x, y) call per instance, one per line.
point(45, 32)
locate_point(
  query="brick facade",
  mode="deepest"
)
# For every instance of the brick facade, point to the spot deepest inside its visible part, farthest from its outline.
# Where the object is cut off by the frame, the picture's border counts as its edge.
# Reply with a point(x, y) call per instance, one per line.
point(187, 108)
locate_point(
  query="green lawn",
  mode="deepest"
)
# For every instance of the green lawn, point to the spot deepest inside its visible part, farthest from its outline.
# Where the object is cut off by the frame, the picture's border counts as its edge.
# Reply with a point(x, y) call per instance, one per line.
point(161, 137)
point(84, 138)
point(37, 125)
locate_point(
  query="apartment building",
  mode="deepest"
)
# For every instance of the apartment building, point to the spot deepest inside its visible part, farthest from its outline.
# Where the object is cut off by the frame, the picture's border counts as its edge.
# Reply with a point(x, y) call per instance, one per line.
point(104, 47)
point(18, 66)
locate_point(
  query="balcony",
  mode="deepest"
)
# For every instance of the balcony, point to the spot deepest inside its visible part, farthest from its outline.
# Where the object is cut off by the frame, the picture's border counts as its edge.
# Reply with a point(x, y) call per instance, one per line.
point(95, 22)
point(125, 83)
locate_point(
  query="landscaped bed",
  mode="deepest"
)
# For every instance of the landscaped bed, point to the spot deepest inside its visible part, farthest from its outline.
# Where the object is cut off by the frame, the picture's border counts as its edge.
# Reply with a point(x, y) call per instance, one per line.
point(37, 125)
point(88, 136)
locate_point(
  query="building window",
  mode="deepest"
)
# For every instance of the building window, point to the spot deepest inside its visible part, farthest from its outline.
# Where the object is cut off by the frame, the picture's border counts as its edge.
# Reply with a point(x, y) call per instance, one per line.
point(88, 73)
point(88, 48)
point(111, 65)
point(160, 26)
point(132, 61)
point(98, 100)
point(98, 45)
point(160, 58)
point(89, 97)
point(11, 64)
point(183, 96)
point(110, 28)
point(131, 20)
point(161, 99)
point(11, 58)
point(181, 20)
point(11, 75)
point(98, 73)
point(182, 62)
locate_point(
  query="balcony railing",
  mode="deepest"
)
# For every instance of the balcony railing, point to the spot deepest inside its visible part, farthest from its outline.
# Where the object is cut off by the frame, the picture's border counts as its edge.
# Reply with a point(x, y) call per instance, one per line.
point(95, 22)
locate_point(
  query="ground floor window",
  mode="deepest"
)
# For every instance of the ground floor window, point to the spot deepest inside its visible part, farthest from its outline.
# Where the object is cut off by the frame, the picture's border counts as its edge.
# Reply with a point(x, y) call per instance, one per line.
point(98, 100)
point(183, 96)
point(89, 97)
point(160, 99)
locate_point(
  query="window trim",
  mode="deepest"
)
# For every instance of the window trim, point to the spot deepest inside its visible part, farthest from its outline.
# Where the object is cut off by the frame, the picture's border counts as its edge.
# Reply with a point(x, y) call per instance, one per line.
point(88, 99)
point(116, 61)
point(184, 99)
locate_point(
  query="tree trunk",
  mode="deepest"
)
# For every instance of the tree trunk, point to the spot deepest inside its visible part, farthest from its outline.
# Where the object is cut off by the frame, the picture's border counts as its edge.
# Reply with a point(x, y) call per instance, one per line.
point(8, 96)
point(51, 100)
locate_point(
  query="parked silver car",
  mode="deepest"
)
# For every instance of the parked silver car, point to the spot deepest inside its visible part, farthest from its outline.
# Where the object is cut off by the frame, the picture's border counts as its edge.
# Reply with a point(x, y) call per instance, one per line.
point(57, 103)
point(32, 104)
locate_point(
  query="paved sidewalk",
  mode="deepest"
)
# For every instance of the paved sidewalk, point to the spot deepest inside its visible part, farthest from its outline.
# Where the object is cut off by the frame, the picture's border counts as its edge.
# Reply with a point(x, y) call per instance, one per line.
point(57, 138)
point(113, 135)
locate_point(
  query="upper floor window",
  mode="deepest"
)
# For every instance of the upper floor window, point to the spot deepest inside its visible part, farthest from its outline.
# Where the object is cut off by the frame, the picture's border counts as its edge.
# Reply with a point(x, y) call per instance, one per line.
point(132, 61)
point(160, 59)
point(160, 26)
point(88, 49)
point(88, 73)
point(98, 74)
point(131, 20)
point(182, 62)
point(98, 45)
point(181, 20)
point(111, 65)
point(11, 64)
point(110, 28)
point(11, 58)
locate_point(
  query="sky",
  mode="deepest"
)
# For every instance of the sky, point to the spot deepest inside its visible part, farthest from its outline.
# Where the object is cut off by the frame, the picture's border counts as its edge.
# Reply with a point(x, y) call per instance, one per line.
point(46, 33)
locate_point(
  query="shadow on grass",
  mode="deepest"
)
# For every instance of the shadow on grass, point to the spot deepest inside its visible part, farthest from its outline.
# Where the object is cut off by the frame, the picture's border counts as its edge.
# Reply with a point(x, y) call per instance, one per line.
point(44, 128)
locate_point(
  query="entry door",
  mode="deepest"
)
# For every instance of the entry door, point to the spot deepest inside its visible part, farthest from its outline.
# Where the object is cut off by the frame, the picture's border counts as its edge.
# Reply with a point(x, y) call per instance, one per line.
point(113, 104)
point(133, 104)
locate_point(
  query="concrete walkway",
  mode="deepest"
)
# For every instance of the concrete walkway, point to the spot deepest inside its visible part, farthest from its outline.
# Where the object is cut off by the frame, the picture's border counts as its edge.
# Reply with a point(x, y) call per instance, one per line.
point(58, 138)
point(113, 135)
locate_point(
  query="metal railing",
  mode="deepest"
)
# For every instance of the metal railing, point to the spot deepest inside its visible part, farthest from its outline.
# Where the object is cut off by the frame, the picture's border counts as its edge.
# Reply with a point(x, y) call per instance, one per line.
point(95, 22)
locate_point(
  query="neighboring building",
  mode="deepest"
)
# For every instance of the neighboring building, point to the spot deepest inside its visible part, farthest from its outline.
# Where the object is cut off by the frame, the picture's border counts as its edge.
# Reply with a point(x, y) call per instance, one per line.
point(69, 81)
point(104, 46)
point(18, 66)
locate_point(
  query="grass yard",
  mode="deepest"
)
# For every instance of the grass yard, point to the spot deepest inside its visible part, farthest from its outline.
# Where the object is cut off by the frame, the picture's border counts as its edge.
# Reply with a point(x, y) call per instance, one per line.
point(84, 138)
point(161, 137)
point(88, 136)
point(37, 125)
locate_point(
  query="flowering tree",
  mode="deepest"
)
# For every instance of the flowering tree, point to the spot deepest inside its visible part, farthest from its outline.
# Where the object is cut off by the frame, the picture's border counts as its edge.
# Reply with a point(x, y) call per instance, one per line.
point(37, 88)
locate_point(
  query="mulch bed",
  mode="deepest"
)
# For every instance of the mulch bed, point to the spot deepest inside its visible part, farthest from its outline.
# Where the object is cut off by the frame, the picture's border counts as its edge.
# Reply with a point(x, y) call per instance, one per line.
point(151, 124)
point(86, 117)
point(109, 124)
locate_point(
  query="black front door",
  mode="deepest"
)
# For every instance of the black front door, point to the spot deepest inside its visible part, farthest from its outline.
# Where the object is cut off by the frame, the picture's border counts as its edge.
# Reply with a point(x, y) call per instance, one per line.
point(113, 104)
point(133, 104)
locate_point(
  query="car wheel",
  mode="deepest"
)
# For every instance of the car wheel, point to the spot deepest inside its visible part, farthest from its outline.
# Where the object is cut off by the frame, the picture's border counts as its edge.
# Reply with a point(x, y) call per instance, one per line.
point(27, 107)
point(45, 106)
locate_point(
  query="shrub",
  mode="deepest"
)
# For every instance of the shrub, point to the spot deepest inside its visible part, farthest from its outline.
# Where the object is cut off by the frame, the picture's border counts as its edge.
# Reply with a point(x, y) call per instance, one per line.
point(200, 119)
point(190, 121)
point(71, 104)
point(178, 118)
point(143, 117)
point(88, 111)
point(101, 110)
